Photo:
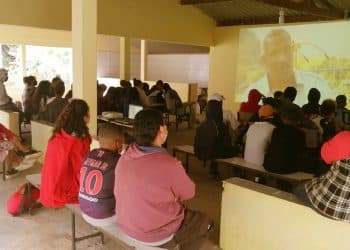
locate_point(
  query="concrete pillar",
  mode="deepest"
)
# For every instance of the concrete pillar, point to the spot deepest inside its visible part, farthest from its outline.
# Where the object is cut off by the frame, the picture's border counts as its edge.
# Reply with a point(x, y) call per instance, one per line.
point(144, 64)
point(84, 40)
point(125, 58)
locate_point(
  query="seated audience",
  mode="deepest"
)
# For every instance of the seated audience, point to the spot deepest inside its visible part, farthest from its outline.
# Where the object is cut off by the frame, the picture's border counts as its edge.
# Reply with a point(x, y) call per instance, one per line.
point(8, 143)
point(311, 130)
point(252, 106)
point(142, 97)
point(342, 113)
point(259, 136)
point(40, 99)
point(150, 188)
point(287, 143)
point(69, 144)
point(28, 96)
point(55, 107)
point(329, 194)
point(172, 99)
point(145, 87)
point(326, 121)
point(313, 97)
point(212, 138)
point(96, 199)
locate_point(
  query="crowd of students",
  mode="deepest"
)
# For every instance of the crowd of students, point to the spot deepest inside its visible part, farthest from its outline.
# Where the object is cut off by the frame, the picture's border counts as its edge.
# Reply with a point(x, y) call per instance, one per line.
point(281, 137)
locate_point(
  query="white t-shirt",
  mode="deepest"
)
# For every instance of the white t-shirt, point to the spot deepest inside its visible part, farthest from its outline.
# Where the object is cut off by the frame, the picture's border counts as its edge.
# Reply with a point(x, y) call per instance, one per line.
point(258, 139)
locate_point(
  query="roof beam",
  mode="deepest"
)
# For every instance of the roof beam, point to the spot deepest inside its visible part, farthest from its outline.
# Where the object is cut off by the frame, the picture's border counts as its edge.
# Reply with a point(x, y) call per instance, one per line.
point(306, 6)
point(194, 2)
point(270, 20)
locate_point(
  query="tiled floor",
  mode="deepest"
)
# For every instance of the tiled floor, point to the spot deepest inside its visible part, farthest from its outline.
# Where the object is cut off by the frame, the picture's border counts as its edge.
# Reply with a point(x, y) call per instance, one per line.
point(50, 228)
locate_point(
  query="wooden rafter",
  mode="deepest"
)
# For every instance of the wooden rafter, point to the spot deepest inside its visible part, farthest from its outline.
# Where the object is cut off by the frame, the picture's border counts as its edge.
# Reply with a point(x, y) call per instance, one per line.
point(193, 2)
point(254, 21)
point(306, 7)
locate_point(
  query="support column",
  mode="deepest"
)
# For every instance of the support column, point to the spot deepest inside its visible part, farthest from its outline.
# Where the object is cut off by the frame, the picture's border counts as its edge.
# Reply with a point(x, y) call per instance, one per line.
point(84, 36)
point(24, 59)
point(144, 62)
point(125, 58)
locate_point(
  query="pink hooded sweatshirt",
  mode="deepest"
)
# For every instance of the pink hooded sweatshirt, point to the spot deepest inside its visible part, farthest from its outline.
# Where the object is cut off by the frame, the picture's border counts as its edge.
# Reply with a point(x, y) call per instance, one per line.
point(149, 188)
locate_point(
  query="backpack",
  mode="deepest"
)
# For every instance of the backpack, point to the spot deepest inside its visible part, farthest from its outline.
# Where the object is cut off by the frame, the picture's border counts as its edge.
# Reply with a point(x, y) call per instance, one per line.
point(205, 140)
point(18, 202)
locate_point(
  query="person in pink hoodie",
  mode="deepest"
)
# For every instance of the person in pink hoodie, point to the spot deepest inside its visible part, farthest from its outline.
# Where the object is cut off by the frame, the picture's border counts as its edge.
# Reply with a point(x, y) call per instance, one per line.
point(150, 187)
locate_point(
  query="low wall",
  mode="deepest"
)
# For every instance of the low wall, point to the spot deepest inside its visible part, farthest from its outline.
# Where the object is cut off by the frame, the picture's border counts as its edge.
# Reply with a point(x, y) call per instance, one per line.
point(10, 120)
point(257, 217)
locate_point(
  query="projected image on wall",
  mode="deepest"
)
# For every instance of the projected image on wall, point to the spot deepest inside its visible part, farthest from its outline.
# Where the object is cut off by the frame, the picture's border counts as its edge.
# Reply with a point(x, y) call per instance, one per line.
point(303, 56)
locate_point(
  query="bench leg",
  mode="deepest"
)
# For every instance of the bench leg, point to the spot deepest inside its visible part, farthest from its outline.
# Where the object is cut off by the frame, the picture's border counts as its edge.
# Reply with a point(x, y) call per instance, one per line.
point(76, 239)
point(73, 231)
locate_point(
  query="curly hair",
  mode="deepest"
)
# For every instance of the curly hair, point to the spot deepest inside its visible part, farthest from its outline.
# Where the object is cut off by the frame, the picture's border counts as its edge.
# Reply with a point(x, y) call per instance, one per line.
point(71, 119)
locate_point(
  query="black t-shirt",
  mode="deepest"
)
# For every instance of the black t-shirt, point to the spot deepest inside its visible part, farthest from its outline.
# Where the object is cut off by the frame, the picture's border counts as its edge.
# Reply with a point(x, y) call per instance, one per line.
point(285, 150)
point(96, 196)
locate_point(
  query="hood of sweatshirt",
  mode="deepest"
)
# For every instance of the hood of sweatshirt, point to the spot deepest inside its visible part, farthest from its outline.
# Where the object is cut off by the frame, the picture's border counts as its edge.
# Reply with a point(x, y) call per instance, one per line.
point(134, 151)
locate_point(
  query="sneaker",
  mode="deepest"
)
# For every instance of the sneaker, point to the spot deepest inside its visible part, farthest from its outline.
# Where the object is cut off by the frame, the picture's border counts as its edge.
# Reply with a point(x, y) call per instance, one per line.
point(11, 173)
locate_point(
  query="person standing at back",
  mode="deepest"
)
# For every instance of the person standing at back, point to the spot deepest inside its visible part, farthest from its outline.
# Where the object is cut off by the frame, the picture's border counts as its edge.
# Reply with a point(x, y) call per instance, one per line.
point(69, 144)
point(150, 188)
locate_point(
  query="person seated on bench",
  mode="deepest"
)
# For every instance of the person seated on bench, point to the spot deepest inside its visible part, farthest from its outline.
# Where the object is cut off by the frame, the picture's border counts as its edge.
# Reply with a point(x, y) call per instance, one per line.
point(287, 146)
point(150, 187)
point(69, 144)
point(259, 136)
point(57, 104)
point(96, 195)
point(329, 194)
point(212, 139)
point(6, 101)
point(8, 142)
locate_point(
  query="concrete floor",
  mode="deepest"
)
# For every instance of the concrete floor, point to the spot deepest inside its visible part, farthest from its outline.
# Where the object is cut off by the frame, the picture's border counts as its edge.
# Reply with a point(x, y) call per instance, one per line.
point(51, 229)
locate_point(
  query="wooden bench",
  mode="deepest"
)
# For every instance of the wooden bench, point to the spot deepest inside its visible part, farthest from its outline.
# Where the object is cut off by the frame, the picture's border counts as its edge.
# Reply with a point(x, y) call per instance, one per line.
point(113, 231)
point(188, 150)
point(240, 163)
point(257, 217)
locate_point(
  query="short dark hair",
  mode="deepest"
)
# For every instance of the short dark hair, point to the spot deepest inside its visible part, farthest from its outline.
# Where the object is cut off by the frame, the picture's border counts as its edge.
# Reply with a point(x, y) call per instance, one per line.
point(292, 113)
point(277, 94)
point(341, 100)
point(327, 107)
point(58, 87)
point(108, 130)
point(146, 126)
point(314, 96)
point(290, 93)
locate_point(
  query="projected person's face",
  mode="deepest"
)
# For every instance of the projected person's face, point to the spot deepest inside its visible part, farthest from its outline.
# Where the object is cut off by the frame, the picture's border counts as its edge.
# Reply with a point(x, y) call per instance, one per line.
point(278, 53)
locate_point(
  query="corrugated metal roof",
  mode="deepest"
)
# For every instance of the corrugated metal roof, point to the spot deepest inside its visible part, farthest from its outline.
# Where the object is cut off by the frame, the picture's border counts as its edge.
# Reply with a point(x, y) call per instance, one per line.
point(241, 11)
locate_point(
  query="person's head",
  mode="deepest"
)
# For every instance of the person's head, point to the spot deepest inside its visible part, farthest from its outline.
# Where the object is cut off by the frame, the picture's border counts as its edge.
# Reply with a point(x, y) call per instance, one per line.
point(137, 83)
point(310, 111)
point(43, 88)
point(277, 95)
point(73, 119)
point(266, 112)
point(278, 52)
point(159, 84)
point(58, 88)
point(214, 110)
point(314, 96)
point(254, 96)
point(341, 101)
point(166, 87)
point(145, 87)
point(270, 101)
point(149, 128)
point(110, 137)
point(30, 81)
point(327, 109)
point(290, 93)
point(3, 75)
point(291, 114)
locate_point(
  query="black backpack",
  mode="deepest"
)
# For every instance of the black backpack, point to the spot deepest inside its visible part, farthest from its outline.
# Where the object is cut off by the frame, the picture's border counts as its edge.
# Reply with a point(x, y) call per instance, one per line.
point(205, 140)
